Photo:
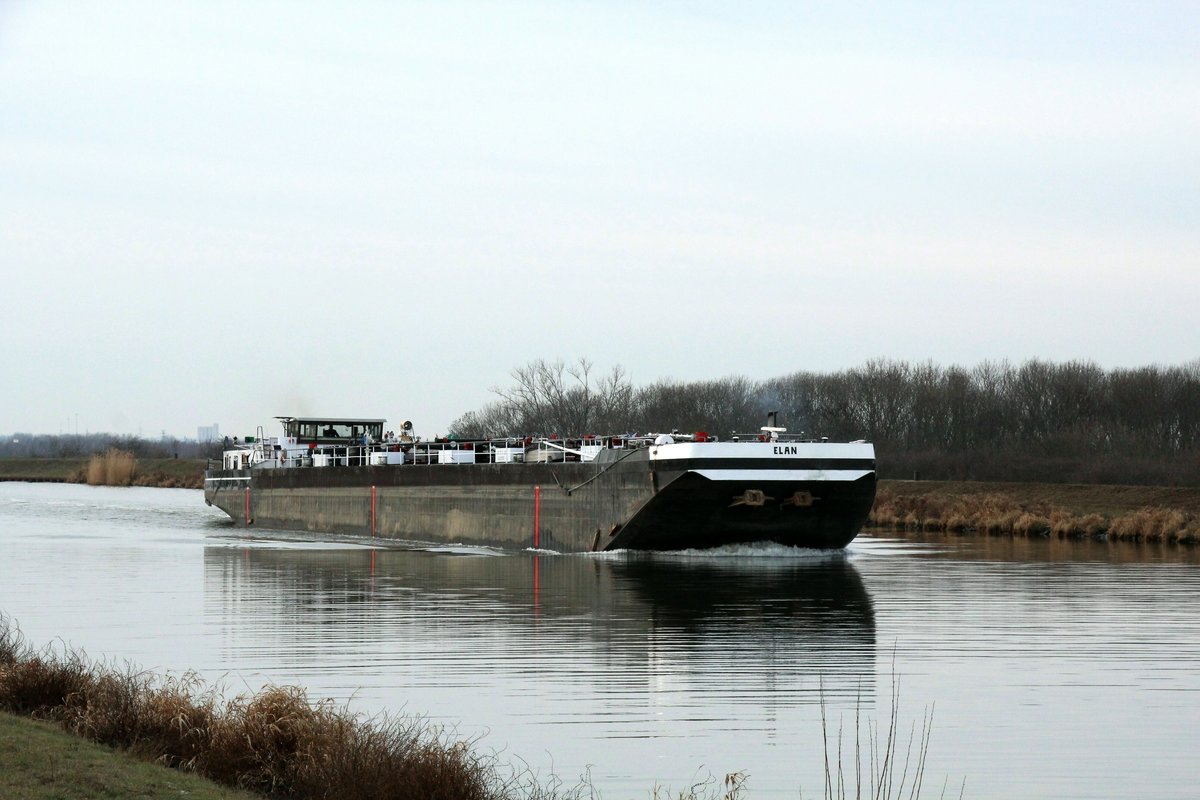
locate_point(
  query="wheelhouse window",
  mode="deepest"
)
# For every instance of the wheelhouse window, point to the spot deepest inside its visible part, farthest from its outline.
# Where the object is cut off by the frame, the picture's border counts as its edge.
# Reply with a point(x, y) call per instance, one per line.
point(334, 431)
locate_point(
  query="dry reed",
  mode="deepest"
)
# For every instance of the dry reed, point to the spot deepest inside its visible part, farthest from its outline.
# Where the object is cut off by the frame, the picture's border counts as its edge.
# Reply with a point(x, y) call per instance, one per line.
point(1157, 525)
point(1000, 514)
point(887, 764)
point(708, 788)
point(112, 468)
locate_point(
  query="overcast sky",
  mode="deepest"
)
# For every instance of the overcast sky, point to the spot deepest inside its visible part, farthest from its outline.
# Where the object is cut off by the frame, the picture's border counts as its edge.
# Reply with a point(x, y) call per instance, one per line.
point(221, 212)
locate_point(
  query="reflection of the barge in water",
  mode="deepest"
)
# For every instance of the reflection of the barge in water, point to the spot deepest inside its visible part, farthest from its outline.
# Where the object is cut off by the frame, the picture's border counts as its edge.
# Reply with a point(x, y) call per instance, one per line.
point(797, 626)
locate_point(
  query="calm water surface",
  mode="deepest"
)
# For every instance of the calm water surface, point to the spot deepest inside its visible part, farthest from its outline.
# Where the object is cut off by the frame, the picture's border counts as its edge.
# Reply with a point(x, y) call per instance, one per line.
point(1053, 669)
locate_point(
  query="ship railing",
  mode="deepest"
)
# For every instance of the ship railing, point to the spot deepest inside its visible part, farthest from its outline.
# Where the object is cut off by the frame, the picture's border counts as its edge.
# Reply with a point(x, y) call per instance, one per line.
point(445, 452)
point(274, 453)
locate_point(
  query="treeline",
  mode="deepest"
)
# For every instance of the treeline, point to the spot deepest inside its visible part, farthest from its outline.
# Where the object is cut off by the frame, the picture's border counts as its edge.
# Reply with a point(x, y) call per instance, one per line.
point(28, 445)
point(1038, 421)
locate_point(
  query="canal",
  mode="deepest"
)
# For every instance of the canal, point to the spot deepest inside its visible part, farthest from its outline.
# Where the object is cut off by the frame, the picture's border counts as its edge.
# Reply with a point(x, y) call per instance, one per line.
point(1051, 669)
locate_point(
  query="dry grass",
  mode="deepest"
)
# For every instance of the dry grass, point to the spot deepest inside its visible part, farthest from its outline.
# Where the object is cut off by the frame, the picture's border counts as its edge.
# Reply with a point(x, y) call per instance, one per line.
point(112, 468)
point(274, 742)
point(1006, 514)
point(1027, 524)
point(1157, 525)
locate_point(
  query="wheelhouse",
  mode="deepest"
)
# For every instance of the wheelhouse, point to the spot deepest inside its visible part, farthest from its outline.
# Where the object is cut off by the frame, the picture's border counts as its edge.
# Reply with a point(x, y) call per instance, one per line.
point(330, 430)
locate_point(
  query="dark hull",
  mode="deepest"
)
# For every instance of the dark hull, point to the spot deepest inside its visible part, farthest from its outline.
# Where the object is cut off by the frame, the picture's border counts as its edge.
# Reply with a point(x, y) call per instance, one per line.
point(568, 507)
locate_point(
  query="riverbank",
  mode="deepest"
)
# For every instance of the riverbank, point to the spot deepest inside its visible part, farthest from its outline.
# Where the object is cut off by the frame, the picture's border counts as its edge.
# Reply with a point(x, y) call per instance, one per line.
point(274, 743)
point(1069, 511)
point(172, 473)
point(39, 761)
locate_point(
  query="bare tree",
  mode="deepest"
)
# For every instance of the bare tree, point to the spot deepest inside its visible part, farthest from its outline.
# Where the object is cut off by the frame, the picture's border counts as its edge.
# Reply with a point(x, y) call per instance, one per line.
point(553, 398)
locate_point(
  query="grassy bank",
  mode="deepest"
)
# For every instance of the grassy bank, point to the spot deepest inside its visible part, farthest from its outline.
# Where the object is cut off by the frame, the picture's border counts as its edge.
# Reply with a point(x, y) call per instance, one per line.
point(58, 470)
point(275, 743)
point(185, 473)
point(1139, 513)
point(39, 761)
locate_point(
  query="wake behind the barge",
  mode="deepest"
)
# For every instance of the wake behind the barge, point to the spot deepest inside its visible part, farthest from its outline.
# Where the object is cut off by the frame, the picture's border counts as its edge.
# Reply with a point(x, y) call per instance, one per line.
point(663, 492)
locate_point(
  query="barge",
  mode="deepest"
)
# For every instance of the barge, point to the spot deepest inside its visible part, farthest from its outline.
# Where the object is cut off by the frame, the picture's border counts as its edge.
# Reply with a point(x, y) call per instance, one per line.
point(346, 476)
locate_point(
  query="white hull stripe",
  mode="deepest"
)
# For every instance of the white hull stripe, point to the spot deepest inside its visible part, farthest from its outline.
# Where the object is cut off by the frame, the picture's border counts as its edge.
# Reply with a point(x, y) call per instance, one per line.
point(246, 478)
point(782, 474)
